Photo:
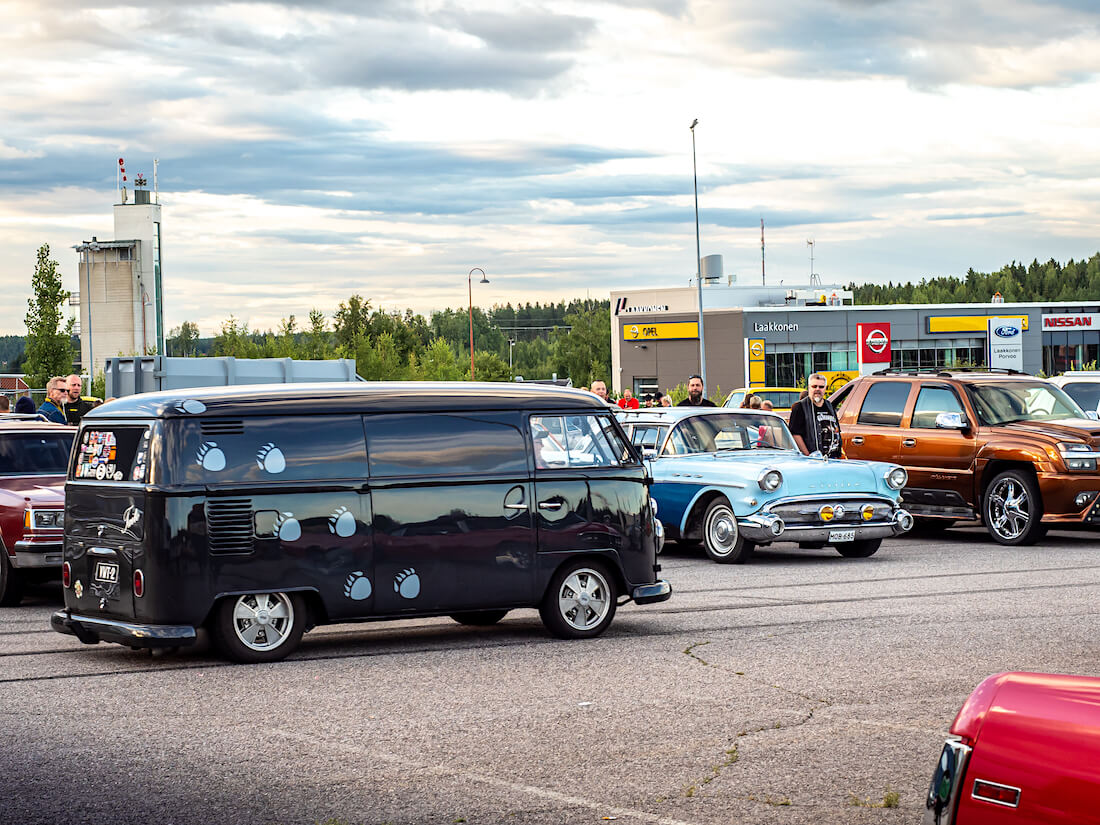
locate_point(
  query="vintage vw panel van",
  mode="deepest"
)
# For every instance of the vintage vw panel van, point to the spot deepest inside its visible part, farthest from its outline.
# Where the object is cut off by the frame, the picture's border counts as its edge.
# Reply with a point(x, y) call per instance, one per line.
point(262, 511)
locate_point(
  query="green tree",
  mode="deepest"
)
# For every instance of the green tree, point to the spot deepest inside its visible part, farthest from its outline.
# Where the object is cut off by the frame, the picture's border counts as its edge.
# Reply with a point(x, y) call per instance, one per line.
point(235, 339)
point(490, 367)
point(182, 340)
point(317, 343)
point(438, 362)
point(352, 324)
point(585, 350)
point(49, 345)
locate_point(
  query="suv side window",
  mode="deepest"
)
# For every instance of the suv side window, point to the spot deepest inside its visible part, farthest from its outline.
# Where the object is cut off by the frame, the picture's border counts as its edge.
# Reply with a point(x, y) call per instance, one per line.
point(884, 403)
point(931, 401)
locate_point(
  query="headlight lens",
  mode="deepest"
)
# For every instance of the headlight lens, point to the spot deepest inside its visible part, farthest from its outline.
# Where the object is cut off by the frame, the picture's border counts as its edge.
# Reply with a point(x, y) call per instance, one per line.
point(47, 519)
point(1074, 454)
point(826, 513)
point(896, 478)
point(770, 480)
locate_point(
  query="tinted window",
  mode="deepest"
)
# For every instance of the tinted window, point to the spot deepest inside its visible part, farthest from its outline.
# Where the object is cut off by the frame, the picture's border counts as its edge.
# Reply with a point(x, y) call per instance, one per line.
point(647, 438)
point(429, 445)
point(1087, 395)
point(112, 454)
point(884, 403)
point(290, 448)
point(32, 454)
point(577, 441)
point(931, 402)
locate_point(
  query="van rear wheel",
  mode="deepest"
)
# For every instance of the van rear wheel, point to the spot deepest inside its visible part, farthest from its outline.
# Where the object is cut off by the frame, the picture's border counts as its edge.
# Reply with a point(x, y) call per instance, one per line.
point(260, 627)
point(480, 618)
point(580, 601)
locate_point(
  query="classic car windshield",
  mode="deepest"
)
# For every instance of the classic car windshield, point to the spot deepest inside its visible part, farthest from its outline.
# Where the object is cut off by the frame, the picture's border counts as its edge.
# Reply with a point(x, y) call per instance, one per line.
point(732, 431)
point(1022, 401)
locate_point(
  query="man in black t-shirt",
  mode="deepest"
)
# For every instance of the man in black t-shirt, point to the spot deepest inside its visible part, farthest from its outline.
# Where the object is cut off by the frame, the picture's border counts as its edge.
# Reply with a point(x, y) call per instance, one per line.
point(814, 423)
point(695, 394)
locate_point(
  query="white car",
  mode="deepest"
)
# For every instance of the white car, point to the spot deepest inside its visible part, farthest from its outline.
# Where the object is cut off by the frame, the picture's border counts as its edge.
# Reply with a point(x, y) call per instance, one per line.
point(1083, 387)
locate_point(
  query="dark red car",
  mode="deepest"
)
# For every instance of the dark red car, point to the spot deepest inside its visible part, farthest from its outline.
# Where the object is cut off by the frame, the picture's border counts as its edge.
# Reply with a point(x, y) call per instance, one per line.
point(34, 457)
point(1025, 749)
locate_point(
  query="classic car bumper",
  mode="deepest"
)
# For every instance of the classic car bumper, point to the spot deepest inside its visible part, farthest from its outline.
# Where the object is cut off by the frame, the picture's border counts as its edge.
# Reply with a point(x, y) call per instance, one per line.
point(659, 591)
point(92, 629)
point(30, 554)
point(761, 528)
point(947, 783)
point(659, 535)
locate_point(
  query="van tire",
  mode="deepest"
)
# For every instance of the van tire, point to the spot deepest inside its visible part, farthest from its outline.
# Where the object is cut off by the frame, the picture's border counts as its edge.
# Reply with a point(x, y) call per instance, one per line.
point(1012, 509)
point(238, 624)
point(723, 541)
point(480, 618)
point(580, 600)
point(11, 584)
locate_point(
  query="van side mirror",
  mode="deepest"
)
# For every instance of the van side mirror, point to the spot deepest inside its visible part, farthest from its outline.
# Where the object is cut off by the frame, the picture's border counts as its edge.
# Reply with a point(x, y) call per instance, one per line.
point(951, 421)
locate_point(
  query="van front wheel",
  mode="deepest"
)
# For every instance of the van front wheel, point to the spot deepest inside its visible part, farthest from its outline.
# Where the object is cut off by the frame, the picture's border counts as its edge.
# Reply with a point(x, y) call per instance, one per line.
point(260, 627)
point(580, 601)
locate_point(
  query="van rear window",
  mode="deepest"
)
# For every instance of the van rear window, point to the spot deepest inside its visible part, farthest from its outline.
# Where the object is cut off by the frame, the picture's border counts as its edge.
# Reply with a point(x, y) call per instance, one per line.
point(113, 454)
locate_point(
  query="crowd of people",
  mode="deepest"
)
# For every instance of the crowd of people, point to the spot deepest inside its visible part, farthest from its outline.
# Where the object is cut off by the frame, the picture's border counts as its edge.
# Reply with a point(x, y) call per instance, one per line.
point(64, 403)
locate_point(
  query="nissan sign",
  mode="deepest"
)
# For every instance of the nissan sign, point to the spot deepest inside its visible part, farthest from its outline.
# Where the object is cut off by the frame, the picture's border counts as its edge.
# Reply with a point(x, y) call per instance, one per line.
point(877, 341)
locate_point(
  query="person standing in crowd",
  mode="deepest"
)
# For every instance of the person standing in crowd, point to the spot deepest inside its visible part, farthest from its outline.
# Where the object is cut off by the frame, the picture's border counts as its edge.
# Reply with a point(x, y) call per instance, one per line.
point(599, 388)
point(55, 400)
point(767, 405)
point(814, 422)
point(628, 401)
point(5, 404)
point(24, 405)
point(666, 401)
point(75, 406)
point(695, 394)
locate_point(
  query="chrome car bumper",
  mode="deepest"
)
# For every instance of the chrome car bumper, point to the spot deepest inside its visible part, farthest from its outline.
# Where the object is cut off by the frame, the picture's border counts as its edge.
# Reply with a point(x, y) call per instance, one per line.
point(659, 591)
point(762, 528)
point(92, 629)
point(947, 781)
point(659, 535)
point(30, 554)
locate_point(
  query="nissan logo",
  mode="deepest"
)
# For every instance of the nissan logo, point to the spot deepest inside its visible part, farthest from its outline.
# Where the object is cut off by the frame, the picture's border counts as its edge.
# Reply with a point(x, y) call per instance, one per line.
point(1006, 332)
point(876, 341)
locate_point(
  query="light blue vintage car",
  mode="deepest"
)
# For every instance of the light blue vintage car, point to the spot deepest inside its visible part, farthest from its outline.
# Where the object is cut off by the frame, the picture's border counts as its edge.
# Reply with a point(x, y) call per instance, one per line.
point(734, 479)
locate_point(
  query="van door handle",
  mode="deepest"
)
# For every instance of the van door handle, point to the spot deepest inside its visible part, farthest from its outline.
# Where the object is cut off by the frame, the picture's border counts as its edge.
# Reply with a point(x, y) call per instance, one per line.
point(909, 442)
point(549, 505)
point(515, 506)
point(857, 439)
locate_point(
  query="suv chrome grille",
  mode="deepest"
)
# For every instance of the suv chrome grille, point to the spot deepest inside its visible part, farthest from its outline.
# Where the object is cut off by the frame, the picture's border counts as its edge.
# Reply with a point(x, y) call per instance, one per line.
point(229, 525)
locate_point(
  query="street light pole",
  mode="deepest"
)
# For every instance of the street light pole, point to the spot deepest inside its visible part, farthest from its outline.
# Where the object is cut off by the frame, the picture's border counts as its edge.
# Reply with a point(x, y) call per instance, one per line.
point(470, 290)
point(698, 265)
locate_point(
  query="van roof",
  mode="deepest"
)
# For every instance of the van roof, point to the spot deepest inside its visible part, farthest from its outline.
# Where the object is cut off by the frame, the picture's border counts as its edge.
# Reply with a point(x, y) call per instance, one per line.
point(339, 397)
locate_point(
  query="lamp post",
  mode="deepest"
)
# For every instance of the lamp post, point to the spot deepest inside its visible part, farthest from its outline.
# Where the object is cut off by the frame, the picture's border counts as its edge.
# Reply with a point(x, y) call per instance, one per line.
point(698, 265)
point(470, 290)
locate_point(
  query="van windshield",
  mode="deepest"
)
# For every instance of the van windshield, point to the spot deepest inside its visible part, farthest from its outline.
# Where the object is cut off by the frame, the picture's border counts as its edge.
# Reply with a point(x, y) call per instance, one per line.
point(35, 454)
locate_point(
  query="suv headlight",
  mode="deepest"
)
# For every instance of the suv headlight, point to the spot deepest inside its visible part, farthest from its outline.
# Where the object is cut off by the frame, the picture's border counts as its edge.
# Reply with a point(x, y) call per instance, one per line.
point(1077, 456)
point(896, 477)
point(43, 519)
point(770, 480)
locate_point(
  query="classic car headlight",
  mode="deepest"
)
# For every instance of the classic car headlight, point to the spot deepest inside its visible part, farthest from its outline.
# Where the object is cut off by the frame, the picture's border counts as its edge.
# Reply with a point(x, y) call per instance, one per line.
point(43, 519)
point(770, 480)
point(1077, 456)
point(896, 478)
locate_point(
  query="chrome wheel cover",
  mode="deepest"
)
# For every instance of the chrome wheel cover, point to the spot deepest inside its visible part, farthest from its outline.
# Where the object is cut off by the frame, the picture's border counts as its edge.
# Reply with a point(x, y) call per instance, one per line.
point(262, 621)
point(584, 598)
point(721, 531)
point(1009, 509)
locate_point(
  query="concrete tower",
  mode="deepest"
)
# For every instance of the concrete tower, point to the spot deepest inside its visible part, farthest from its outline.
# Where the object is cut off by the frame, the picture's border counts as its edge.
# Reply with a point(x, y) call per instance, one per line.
point(119, 290)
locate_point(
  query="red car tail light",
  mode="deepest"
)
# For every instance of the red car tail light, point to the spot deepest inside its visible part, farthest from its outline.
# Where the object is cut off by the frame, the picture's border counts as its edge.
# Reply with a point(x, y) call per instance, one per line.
point(66, 575)
point(139, 583)
point(996, 793)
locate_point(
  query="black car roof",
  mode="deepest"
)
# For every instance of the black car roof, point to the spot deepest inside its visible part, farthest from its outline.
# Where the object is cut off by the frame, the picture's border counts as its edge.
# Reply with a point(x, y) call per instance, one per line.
point(338, 397)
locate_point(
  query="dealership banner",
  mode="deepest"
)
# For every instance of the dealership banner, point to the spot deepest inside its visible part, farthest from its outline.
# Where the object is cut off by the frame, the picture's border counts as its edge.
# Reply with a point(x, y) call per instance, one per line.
point(872, 347)
point(1068, 322)
point(660, 332)
point(1005, 345)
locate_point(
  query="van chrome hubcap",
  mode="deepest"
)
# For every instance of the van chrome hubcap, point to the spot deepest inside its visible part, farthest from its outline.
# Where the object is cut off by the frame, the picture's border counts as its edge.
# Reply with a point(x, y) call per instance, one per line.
point(262, 621)
point(583, 599)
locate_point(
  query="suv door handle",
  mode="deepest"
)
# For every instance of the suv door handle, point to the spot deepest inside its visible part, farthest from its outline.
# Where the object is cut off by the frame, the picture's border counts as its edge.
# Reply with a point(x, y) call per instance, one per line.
point(857, 439)
point(549, 505)
point(909, 442)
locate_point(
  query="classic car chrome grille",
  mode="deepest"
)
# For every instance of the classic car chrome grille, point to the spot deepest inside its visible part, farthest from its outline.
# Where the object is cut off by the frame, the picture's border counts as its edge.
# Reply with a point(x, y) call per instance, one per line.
point(805, 511)
point(229, 525)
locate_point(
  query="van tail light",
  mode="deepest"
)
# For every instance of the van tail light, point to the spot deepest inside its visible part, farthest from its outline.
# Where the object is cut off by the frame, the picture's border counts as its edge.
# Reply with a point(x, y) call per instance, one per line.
point(139, 583)
point(66, 575)
point(998, 794)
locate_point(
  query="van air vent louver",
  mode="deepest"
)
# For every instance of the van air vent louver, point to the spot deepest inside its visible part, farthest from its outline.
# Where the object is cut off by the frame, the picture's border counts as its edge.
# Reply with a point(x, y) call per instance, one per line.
point(229, 525)
point(221, 427)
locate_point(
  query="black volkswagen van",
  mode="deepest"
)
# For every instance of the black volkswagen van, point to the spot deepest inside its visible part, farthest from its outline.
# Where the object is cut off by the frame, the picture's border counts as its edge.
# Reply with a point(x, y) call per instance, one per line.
point(262, 511)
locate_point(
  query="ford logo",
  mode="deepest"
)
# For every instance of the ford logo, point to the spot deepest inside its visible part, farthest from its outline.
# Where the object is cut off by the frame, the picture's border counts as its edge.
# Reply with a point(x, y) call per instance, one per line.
point(1006, 332)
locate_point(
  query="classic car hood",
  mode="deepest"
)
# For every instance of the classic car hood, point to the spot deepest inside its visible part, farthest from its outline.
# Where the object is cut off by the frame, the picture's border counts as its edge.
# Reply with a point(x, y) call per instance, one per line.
point(1066, 427)
point(42, 491)
point(813, 474)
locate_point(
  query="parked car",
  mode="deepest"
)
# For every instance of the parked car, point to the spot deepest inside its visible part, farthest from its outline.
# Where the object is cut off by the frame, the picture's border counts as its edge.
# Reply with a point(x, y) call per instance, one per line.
point(1083, 387)
point(33, 459)
point(1008, 448)
point(1024, 749)
point(782, 398)
point(261, 511)
point(735, 480)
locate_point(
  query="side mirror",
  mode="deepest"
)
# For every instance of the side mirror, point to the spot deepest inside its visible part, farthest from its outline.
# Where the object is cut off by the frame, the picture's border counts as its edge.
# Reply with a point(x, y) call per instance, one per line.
point(1095, 416)
point(951, 421)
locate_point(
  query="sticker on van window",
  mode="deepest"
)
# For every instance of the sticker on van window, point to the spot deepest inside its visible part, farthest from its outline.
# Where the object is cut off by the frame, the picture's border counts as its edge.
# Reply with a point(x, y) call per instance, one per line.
point(271, 458)
point(210, 456)
point(98, 455)
point(357, 586)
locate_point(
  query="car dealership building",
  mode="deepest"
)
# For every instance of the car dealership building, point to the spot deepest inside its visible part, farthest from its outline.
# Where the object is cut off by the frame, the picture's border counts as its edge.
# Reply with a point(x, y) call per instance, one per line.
point(760, 336)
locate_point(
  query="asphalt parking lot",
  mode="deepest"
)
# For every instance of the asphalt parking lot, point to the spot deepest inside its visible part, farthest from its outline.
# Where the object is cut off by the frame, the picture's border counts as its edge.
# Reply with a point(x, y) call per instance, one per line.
point(800, 688)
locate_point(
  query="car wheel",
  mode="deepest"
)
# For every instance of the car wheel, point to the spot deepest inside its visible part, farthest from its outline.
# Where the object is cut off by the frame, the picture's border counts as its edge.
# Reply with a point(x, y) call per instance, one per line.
point(1012, 509)
point(724, 542)
point(932, 525)
point(859, 549)
point(260, 627)
point(580, 601)
point(480, 618)
point(11, 585)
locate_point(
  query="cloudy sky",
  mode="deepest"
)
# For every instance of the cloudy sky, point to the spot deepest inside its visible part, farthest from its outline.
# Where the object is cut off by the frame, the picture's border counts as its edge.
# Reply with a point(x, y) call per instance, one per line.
point(311, 149)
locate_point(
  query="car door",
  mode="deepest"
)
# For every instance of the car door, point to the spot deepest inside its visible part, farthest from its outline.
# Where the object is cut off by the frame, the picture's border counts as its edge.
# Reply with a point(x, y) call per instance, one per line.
point(874, 431)
point(940, 461)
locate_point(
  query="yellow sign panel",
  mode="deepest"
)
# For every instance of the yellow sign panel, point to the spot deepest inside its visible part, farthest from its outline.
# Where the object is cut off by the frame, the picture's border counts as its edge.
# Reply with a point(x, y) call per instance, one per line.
point(756, 373)
point(967, 323)
point(660, 332)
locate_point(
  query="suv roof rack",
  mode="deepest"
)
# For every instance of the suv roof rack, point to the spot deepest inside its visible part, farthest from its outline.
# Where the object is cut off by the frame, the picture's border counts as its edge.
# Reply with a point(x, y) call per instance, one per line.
point(948, 372)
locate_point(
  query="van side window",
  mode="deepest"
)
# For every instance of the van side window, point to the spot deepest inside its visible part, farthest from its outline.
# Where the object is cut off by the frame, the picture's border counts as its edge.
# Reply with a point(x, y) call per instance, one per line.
point(576, 441)
point(931, 402)
point(445, 444)
point(884, 403)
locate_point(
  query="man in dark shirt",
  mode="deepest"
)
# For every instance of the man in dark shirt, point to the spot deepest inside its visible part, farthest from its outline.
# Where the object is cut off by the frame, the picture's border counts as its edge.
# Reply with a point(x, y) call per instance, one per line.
point(814, 423)
point(695, 394)
point(75, 406)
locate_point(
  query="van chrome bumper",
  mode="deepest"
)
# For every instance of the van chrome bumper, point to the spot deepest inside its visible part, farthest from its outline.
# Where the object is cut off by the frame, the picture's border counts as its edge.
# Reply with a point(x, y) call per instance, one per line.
point(659, 591)
point(92, 629)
